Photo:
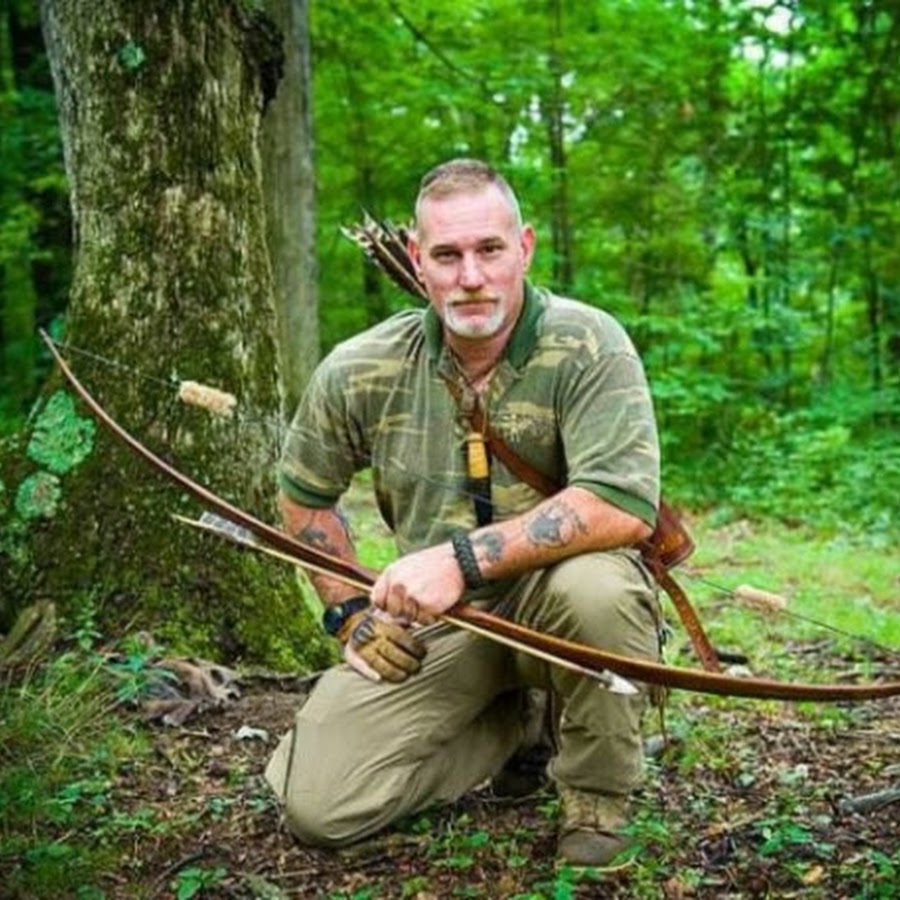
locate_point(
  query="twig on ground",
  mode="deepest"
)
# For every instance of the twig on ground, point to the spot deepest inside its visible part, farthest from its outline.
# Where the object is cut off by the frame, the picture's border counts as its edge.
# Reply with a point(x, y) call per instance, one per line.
point(866, 803)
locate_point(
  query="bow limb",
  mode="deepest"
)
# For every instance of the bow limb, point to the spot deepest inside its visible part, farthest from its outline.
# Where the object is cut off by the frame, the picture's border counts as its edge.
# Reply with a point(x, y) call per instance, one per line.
point(270, 535)
point(697, 680)
point(300, 553)
point(578, 654)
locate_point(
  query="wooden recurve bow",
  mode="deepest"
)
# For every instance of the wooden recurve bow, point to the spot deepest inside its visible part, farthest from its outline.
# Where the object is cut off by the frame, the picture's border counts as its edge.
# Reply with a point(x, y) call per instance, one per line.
point(578, 655)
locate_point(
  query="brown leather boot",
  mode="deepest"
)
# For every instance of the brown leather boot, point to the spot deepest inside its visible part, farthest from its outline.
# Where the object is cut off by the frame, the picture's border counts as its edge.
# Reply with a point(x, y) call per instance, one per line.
point(590, 831)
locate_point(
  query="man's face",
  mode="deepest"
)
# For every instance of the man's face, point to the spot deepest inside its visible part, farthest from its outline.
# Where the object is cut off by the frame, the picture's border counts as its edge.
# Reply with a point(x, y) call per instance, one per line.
point(472, 256)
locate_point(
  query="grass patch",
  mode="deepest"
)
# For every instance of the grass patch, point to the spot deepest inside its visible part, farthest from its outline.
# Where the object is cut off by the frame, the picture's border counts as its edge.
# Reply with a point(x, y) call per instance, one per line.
point(62, 745)
point(849, 585)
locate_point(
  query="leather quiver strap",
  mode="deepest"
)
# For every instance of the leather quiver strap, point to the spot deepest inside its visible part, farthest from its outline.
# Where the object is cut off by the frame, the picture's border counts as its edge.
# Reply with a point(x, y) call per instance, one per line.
point(670, 544)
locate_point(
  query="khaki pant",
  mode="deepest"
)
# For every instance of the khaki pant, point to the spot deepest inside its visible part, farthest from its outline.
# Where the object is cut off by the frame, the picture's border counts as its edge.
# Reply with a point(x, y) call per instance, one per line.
point(363, 754)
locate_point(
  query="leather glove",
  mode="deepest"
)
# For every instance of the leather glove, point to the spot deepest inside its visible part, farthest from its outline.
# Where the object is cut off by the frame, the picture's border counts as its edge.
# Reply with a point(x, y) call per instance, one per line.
point(386, 647)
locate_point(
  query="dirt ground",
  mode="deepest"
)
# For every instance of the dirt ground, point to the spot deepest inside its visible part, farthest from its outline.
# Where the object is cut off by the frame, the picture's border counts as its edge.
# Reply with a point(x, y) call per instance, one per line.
point(749, 800)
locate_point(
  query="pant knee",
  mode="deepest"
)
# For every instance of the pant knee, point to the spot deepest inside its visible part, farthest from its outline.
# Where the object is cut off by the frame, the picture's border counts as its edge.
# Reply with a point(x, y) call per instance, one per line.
point(606, 600)
point(335, 801)
point(316, 826)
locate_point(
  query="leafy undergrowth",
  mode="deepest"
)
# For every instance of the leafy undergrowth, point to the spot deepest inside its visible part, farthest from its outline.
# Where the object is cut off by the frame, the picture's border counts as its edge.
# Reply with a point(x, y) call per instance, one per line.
point(748, 799)
point(748, 803)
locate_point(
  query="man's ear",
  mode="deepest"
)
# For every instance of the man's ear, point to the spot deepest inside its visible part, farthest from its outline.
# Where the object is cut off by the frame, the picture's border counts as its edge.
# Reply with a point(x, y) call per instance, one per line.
point(528, 240)
point(415, 254)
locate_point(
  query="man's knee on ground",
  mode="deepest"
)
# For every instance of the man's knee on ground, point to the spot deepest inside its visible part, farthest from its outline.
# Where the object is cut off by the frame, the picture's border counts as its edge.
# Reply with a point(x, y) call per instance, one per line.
point(316, 826)
point(333, 805)
point(321, 819)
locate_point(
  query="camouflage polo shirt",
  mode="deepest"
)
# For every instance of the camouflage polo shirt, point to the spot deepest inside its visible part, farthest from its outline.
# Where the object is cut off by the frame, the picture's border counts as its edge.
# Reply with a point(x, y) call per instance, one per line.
point(569, 396)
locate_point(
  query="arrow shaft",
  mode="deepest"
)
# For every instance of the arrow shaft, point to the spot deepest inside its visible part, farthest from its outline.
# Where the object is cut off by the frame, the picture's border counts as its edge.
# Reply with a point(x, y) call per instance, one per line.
point(604, 678)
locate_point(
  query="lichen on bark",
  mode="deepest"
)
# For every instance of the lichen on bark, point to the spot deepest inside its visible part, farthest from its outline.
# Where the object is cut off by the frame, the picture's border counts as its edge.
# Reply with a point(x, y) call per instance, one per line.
point(60, 438)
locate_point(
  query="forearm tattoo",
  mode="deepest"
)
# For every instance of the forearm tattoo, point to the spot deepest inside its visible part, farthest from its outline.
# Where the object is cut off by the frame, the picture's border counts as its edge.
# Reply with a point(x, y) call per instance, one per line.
point(317, 538)
point(554, 525)
point(492, 545)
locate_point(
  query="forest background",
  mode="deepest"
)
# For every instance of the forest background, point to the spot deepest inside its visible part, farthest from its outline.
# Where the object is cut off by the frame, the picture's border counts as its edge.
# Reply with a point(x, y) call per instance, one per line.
point(723, 177)
point(720, 175)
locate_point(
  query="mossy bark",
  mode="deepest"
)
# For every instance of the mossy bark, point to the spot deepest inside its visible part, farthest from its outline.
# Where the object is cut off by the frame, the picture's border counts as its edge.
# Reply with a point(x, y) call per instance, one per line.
point(160, 105)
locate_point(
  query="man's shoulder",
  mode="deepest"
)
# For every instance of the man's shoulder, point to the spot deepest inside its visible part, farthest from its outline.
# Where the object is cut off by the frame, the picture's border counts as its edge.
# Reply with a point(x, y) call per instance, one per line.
point(576, 324)
point(401, 330)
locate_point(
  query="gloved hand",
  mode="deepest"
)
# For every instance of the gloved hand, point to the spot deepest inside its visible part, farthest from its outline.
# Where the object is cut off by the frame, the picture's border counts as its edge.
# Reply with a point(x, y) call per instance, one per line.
point(381, 647)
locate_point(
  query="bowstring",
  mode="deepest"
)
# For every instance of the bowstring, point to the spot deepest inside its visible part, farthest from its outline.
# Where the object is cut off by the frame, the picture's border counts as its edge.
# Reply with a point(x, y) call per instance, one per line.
point(269, 422)
point(170, 382)
point(799, 617)
point(282, 430)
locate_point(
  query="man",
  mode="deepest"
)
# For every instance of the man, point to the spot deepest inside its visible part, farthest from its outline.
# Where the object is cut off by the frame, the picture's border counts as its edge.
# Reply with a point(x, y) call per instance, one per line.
point(399, 728)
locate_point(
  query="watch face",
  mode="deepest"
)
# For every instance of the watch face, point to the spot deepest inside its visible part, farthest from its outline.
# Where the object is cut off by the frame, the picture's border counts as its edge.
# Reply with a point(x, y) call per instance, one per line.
point(334, 616)
point(332, 619)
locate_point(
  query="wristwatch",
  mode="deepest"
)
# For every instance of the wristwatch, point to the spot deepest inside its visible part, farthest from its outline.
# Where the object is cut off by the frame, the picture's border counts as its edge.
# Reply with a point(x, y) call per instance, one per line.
point(334, 617)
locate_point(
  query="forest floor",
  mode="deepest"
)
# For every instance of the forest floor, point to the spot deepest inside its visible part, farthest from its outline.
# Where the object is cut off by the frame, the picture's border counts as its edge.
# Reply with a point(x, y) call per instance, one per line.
point(749, 801)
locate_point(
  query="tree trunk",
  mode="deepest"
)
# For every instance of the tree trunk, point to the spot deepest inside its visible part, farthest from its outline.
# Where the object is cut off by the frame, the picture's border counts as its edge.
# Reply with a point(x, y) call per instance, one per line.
point(291, 203)
point(554, 112)
point(160, 106)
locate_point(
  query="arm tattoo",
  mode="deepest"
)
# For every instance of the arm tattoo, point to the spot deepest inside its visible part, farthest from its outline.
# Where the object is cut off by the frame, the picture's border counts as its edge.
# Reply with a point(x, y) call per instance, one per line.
point(492, 544)
point(317, 538)
point(554, 525)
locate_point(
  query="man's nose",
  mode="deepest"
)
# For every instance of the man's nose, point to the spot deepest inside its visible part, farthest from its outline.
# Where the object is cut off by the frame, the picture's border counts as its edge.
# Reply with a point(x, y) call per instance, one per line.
point(470, 275)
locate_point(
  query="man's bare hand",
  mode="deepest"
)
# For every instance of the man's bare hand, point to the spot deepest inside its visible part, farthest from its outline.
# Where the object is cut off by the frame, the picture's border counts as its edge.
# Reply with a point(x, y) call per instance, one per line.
point(421, 586)
point(380, 647)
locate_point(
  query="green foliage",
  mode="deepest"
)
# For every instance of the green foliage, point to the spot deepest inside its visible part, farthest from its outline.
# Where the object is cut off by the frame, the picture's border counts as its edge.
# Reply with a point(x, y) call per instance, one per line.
point(725, 185)
point(35, 241)
point(362, 894)
point(784, 835)
point(882, 876)
point(194, 881)
point(60, 750)
point(800, 467)
point(729, 197)
point(61, 439)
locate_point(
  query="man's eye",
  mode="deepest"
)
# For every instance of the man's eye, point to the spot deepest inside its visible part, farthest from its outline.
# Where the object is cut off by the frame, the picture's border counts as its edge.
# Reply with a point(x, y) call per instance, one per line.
point(444, 255)
point(491, 249)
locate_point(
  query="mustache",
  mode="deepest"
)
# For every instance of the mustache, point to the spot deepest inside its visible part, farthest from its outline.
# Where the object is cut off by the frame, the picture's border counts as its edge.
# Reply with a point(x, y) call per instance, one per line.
point(463, 299)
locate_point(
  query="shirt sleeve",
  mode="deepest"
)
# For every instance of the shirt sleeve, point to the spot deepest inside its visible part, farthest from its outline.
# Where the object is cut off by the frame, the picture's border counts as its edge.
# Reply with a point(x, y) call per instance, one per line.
point(609, 432)
point(323, 448)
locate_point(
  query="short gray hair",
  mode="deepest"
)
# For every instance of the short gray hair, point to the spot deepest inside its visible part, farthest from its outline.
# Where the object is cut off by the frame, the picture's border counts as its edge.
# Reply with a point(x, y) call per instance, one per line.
point(460, 176)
